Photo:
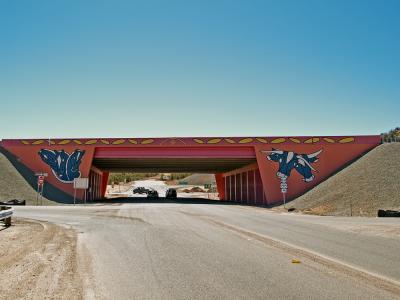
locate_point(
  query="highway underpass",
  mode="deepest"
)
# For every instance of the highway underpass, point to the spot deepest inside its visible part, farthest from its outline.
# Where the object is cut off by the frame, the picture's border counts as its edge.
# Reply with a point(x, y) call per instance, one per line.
point(253, 170)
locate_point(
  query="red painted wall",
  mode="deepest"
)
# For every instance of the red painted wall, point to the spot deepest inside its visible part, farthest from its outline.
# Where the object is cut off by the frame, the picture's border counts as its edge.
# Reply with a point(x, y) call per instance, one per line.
point(29, 157)
point(331, 159)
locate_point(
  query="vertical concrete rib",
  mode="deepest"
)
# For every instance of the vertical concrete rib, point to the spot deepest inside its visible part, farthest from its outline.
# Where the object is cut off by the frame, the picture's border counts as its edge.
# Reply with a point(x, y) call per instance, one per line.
point(226, 191)
point(230, 188)
point(235, 187)
point(247, 185)
point(97, 186)
point(241, 187)
point(94, 188)
point(255, 187)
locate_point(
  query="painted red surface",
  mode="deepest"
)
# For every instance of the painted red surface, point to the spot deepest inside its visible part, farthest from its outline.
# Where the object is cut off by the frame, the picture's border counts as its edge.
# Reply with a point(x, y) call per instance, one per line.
point(104, 183)
point(173, 152)
point(220, 185)
point(28, 155)
point(254, 184)
point(332, 158)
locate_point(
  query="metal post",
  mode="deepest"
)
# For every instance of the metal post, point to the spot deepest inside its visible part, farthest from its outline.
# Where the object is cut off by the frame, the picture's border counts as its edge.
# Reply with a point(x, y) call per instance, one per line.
point(41, 195)
point(284, 188)
point(284, 200)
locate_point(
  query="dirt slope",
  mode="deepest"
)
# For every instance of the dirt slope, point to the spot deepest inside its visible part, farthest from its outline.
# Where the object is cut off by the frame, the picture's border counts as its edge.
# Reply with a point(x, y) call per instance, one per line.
point(369, 184)
point(199, 179)
point(13, 185)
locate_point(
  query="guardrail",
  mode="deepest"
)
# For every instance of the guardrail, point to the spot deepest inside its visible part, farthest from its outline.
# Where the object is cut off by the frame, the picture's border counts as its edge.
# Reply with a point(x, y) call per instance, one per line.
point(6, 214)
point(387, 141)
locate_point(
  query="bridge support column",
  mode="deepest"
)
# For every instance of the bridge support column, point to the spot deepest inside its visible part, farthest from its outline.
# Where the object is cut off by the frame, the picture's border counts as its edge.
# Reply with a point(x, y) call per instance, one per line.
point(220, 180)
point(97, 184)
point(104, 182)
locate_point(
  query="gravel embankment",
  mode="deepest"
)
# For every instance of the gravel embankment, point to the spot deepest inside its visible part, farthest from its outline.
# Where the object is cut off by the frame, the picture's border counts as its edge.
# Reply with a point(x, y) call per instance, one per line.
point(369, 184)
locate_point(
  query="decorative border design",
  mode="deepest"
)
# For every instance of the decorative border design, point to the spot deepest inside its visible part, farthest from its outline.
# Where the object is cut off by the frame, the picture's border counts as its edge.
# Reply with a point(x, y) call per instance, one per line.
point(147, 142)
point(199, 141)
point(90, 142)
point(173, 141)
point(346, 140)
point(262, 140)
point(278, 141)
point(118, 142)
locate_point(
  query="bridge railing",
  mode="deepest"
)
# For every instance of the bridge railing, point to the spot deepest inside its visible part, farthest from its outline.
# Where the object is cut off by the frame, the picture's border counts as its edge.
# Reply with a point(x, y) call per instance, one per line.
point(6, 214)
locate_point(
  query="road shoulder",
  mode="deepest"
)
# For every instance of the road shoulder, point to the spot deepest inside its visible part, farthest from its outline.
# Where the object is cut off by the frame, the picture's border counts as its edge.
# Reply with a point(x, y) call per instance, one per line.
point(38, 260)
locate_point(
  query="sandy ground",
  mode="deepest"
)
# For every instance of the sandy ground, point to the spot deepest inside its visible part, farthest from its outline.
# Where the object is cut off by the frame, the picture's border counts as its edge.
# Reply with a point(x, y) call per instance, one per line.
point(117, 189)
point(161, 187)
point(38, 260)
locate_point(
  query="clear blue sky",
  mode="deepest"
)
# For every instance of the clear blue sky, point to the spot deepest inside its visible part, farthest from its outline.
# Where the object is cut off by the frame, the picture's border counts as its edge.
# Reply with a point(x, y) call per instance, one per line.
point(198, 68)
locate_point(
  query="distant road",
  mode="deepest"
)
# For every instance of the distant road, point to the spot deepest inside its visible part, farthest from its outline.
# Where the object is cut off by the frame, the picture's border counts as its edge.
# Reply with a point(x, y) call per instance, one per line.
point(215, 251)
point(161, 187)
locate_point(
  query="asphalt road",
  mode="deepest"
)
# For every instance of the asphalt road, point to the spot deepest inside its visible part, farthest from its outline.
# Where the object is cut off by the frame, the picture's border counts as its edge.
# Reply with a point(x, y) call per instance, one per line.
point(197, 251)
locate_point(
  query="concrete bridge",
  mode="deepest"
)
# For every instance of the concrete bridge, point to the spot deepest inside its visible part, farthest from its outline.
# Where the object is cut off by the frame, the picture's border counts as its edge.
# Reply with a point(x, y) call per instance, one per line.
point(253, 170)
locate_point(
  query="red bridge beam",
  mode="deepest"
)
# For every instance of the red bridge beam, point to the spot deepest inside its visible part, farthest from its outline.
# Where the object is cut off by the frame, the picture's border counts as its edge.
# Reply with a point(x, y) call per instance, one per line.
point(175, 152)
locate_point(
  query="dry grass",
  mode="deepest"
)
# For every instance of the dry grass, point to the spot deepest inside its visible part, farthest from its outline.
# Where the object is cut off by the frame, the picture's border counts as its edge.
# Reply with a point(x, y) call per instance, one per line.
point(369, 184)
point(14, 186)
